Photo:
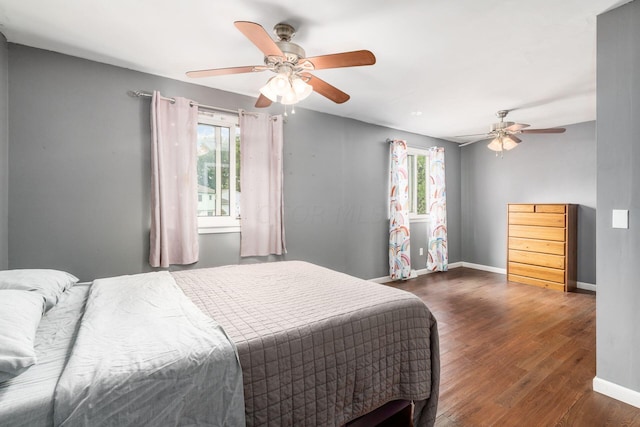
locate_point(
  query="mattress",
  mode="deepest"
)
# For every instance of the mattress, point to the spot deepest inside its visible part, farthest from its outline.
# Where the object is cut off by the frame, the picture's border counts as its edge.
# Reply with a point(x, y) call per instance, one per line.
point(318, 347)
point(27, 400)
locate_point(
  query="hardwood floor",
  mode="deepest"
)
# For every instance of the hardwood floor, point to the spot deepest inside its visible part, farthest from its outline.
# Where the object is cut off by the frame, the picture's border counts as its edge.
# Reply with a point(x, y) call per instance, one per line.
point(515, 355)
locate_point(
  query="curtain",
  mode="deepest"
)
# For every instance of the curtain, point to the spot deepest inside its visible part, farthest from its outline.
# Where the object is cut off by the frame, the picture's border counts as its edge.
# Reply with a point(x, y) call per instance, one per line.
point(174, 227)
point(261, 177)
point(399, 256)
point(438, 256)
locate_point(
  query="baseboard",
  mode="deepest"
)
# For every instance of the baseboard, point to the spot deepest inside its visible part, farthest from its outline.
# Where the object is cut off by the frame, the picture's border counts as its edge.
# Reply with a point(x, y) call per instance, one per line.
point(615, 391)
point(414, 273)
point(385, 279)
point(485, 268)
point(586, 286)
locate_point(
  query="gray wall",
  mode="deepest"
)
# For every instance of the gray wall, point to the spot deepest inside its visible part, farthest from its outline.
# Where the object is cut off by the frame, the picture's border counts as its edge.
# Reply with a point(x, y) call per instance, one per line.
point(333, 194)
point(4, 153)
point(542, 169)
point(79, 175)
point(618, 252)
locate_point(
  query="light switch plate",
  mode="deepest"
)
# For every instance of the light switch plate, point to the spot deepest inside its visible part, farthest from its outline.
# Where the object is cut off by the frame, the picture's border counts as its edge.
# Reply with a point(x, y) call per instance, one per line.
point(620, 218)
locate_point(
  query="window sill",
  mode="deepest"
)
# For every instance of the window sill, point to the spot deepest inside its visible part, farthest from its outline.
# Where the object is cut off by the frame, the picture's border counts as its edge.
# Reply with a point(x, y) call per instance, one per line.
point(419, 219)
point(217, 230)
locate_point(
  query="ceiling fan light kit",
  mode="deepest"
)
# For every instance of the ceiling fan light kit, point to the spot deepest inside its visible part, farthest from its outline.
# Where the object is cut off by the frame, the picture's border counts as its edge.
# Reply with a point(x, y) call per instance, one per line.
point(502, 143)
point(290, 88)
point(503, 134)
point(293, 81)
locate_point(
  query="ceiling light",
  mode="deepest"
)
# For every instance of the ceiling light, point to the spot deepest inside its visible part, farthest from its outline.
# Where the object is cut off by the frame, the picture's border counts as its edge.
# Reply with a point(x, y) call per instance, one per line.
point(508, 143)
point(289, 87)
point(269, 92)
point(301, 88)
point(495, 145)
point(290, 97)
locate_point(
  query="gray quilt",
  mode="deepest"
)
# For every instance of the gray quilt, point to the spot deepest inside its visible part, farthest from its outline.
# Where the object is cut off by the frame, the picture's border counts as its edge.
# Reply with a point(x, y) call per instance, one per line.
point(146, 356)
point(318, 347)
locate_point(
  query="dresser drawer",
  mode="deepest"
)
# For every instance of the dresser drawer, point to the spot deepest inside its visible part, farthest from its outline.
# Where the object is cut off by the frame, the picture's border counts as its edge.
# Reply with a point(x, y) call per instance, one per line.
point(533, 245)
point(536, 258)
point(536, 272)
point(541, 219)
point(550, 208)
point(535, 282)
point(522, 208)
point(539, 233)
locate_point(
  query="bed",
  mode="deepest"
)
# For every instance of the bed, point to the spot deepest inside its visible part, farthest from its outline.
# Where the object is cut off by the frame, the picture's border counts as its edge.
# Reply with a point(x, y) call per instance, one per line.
point(315, 347)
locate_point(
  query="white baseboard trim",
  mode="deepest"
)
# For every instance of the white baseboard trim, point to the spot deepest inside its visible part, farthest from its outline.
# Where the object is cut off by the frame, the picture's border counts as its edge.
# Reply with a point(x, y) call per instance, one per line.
point(615, 391)
point(586, 286)
point(421, 272)
point(385, 279)
point(485, 268)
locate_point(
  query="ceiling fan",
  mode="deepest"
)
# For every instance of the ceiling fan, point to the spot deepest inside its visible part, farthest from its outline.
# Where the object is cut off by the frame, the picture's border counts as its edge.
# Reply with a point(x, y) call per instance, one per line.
point(293, 80)
point(503, 134)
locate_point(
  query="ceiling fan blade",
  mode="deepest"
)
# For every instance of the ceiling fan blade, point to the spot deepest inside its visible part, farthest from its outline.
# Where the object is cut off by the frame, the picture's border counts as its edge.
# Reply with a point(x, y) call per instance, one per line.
point(550, 130)
point(476, 140)
point(516, 126)
point(346, 59)
point(223, 71)
point(259, 37)
point(473, 134)
point(514, 139)
point(263, 101)
point(325, 89)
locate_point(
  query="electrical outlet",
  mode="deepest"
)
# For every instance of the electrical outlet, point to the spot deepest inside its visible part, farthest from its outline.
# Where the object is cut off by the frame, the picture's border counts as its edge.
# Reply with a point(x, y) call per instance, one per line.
point(421, 251)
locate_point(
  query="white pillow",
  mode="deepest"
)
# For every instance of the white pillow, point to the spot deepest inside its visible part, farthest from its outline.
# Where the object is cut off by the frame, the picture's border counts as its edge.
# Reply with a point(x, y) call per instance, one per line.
point(20, 314)
point(48, 283)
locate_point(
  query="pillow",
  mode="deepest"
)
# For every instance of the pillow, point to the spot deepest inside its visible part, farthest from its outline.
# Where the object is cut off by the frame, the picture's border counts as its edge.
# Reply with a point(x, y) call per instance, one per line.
point(48, 283)
point(20, 314)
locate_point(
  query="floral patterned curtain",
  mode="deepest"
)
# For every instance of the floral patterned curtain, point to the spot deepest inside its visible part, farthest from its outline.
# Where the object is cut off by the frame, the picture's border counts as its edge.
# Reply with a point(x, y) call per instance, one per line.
point(438, 256)
point(399, 256)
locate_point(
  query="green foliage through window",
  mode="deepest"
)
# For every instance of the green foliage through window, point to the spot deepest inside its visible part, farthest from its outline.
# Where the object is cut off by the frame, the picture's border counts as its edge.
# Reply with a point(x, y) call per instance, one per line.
point(418, 169)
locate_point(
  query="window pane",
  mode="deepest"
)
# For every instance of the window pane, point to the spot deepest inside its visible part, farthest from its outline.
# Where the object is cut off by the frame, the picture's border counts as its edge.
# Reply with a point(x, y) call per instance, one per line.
point(238, 171)
point(224, 170)
point(421, 178)
point(218, 150)
point(225, 202)
point(411, 181)
point(206, 150)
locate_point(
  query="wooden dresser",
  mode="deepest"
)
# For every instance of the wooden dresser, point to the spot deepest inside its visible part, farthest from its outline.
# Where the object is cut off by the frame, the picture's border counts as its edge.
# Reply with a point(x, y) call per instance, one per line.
point(542, 245)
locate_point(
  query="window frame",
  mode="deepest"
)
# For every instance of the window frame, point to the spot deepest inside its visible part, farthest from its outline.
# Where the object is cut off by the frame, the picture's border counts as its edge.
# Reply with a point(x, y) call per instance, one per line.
point(412, 169)
point(230, 223)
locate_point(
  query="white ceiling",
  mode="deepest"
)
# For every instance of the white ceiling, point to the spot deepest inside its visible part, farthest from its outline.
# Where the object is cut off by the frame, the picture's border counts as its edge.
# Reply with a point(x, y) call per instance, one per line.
point(455, 61)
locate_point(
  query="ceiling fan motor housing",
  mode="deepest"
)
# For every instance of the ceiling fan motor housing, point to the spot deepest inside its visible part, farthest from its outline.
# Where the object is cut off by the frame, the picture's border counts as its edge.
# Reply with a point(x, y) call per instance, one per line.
point(500, 126)
point(292, 51)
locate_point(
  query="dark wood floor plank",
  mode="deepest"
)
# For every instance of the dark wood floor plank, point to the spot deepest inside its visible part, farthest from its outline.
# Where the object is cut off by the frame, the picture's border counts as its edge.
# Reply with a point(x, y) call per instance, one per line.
point(515, 355)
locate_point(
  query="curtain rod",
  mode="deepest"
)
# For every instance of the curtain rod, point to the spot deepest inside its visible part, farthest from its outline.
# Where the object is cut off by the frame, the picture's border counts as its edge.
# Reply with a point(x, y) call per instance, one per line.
point(140, 93)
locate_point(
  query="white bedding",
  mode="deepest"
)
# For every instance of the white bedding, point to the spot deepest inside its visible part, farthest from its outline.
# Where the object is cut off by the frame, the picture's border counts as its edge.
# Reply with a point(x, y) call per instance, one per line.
point(146, 355)
point(27, 400)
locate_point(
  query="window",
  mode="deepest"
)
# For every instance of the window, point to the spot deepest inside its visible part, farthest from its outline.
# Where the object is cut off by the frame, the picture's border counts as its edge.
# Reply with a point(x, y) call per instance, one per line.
point(418, 165)
point(218, 173)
